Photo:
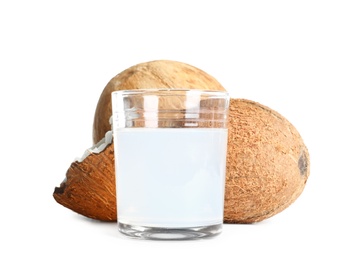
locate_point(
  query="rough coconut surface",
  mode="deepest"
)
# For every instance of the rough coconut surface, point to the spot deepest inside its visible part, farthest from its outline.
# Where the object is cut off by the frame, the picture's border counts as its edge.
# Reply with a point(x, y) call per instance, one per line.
point(267, 163)
point(89, 188)
point(156, 74)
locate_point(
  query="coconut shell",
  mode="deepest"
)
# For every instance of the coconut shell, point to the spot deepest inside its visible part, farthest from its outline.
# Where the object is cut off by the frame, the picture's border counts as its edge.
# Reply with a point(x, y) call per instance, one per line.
point(89, 188)
point(150, 75)
point(267, 163)
point(267, 169)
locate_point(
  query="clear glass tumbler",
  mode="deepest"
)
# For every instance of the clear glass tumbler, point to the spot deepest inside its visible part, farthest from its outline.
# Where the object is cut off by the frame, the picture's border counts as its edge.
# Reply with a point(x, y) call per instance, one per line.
point(170, 159)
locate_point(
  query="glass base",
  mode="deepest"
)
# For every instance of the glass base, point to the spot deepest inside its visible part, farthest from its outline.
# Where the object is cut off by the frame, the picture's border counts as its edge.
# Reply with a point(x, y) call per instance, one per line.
point(155, 233)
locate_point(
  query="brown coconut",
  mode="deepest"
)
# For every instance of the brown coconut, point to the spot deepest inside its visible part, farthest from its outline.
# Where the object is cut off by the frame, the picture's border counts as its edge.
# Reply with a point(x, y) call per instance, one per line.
point(267, 169)
point(267, 163)
point(156, 74)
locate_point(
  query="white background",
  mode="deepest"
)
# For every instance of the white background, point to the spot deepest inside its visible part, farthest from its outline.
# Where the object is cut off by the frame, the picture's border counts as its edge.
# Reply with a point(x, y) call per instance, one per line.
point(301, 58)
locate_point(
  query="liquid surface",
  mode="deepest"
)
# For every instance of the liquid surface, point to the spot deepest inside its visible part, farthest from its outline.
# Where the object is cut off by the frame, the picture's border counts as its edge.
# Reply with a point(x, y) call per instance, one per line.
point(170, 177)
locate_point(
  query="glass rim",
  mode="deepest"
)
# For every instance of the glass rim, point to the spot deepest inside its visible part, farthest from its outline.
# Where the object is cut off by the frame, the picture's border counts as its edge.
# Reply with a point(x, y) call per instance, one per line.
point(168, 91)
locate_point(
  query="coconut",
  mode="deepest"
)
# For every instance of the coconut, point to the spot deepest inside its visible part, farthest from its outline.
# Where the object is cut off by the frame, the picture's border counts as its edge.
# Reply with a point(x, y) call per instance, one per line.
point(157, 74)
point(267, 163)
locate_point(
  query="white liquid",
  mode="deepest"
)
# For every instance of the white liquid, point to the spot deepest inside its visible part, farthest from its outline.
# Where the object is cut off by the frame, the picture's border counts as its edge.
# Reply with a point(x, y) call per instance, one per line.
point(170, 177)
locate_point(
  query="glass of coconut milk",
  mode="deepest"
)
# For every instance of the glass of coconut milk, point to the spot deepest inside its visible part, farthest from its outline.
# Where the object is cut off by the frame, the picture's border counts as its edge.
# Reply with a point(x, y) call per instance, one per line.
point(170, 157)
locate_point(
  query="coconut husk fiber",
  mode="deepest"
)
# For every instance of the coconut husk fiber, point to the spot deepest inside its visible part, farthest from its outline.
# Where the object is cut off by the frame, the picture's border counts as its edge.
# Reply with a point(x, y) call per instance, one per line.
point(89, 187)
point(267, 163)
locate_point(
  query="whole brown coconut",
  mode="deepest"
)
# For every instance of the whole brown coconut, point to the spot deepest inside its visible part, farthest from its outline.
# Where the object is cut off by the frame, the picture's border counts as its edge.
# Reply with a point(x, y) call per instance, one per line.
point(154, 74)
point(267, 163)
